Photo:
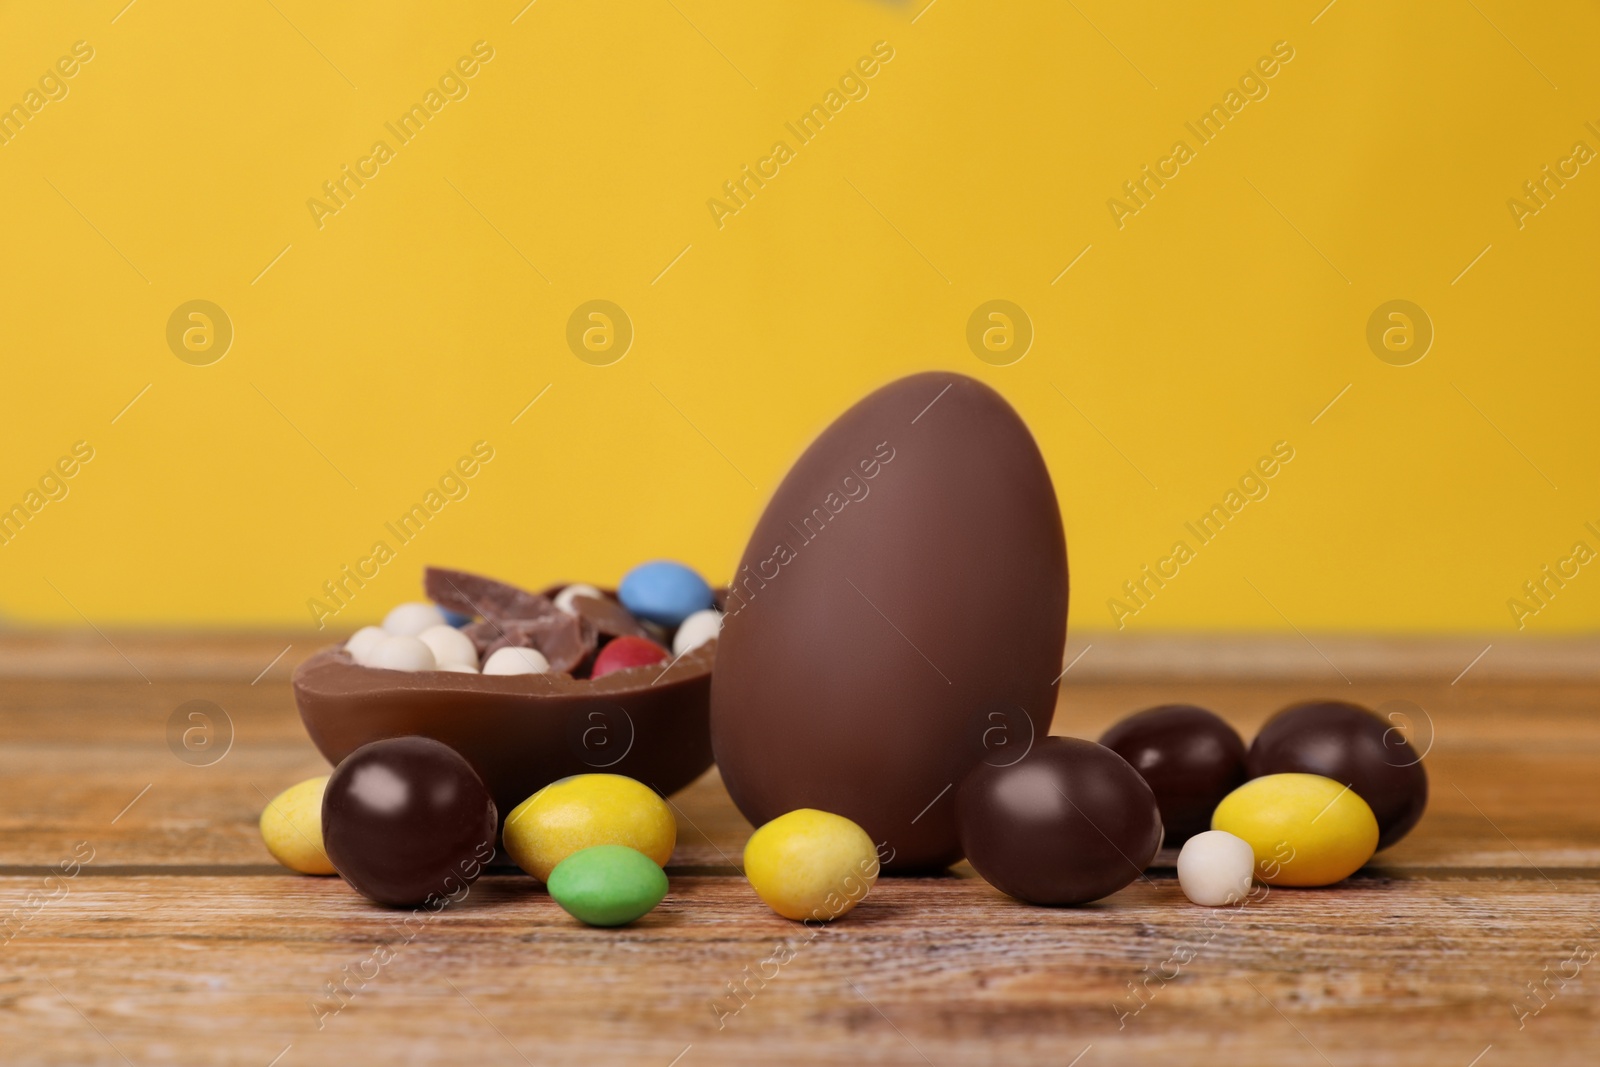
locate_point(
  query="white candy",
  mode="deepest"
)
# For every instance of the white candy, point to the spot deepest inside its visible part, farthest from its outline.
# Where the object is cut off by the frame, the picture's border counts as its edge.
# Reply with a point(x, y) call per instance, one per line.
point(1214, 868)
point(398, 653)
point(696, 630)
point(450, 647)
point(363, 641)
point(516, 661)
point(409, 620)
point(458, 668)
point(564, 598)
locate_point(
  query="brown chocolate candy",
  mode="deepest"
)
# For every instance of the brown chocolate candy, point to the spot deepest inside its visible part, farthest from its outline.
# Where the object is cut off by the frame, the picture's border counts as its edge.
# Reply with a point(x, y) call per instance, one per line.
point(1068, 823)
point(1190, 758)
point(1354, 747)
point(406, 820)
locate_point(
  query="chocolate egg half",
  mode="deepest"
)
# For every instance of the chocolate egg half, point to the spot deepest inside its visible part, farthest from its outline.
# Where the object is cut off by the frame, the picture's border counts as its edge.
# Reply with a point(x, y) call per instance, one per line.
point(898, 617)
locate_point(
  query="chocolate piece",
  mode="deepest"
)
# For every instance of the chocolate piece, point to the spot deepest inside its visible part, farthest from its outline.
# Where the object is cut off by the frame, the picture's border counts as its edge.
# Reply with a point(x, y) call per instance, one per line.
point(1190, 758)
point(1068, 823)
point(521, 732)
point(563, 639)
point(609, 618)
point(909, 573)
point(475, 595)
point(1353, 746)
point(407, 819)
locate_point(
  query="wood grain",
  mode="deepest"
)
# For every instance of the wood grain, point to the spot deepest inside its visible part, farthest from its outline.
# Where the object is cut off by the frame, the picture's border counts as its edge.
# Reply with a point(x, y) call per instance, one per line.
point(180, 942)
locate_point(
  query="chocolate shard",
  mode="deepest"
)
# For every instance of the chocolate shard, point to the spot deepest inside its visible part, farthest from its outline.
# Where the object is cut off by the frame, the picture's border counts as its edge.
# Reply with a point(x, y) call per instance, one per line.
point(609, 618)
point(565, 640)
point(489, 598)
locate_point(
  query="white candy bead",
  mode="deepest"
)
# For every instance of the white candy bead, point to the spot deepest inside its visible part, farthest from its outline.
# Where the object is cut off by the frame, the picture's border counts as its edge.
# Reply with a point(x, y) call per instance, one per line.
point(516, 661)
point(564, 598)
point(458, 668)
point(450, 647)
point(363, 641)
point(696, 630)
point(1214, 868)
point(398, 653)
point(409, 620)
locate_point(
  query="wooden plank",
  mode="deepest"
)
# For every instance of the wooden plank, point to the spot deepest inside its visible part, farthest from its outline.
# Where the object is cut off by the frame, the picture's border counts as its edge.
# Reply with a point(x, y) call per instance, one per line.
point(233, 970)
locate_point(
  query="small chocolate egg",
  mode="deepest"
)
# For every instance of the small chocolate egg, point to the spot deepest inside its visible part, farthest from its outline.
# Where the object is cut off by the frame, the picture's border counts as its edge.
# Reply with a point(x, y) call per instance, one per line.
point(511, 660)
point(1215, 868)
point(291, 827)
point(400, 653)
point(664, 592)
point(409, 620)
point(696, 630)
point(407, 819)
point(621, 653)
point(1068, 823)
point(1354, 747)
point(607, 885)
point(1303, 829)
point(1190, 758)
point(363, 641)
point(811, 865)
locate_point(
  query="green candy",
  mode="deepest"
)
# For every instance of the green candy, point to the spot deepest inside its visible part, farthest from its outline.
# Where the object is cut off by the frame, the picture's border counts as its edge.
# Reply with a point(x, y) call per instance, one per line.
point(607, 885)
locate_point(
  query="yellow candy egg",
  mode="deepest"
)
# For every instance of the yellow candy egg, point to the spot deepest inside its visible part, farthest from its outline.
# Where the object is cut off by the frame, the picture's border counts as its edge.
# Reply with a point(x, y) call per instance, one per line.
point(809, 864)
point(291, 826)
point(1304, 829)
point(583, 811)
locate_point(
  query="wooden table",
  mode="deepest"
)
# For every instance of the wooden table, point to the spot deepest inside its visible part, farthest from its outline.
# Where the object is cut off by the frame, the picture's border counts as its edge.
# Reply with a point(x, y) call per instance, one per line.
point(177, 940)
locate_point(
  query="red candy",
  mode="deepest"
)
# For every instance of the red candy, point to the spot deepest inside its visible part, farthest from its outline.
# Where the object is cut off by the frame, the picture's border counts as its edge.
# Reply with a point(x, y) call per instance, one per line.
point(623, 652)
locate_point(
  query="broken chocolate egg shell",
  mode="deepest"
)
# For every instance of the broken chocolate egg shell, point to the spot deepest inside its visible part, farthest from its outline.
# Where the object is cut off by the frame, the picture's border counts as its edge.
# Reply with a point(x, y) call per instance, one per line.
point(522, 732)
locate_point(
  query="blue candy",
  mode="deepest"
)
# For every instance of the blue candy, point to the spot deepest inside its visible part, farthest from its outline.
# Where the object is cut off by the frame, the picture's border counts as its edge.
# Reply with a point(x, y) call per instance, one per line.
point(455, 619)
point(664, 592)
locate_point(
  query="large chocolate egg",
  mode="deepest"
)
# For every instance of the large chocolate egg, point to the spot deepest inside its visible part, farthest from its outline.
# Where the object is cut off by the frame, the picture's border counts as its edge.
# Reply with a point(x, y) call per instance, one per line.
point(1070, 823)
point(1354, 747)
point(1190, 757)
point(898, 616)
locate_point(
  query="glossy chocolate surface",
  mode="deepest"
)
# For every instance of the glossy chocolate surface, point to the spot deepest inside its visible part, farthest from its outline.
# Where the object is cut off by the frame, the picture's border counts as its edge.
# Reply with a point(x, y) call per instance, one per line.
point(521, 732)
point(1352, 745)
point(898, 615)
point(1190, 758)
point(407, 819)
point(1068, 823)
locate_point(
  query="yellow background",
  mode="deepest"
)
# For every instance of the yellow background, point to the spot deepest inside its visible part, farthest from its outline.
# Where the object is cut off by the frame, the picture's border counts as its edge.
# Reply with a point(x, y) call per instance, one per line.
point(1222, 318)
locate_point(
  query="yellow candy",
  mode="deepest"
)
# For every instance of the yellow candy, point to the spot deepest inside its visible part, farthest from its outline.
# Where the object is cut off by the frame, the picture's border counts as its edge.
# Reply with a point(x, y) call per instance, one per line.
point(1304, 829)
point(291, 826)
point(809, 864)
point(587, 810)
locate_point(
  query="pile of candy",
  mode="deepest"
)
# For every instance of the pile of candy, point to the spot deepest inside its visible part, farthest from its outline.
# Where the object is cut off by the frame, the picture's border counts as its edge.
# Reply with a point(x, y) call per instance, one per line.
point(407, 822)
point(1323, 787)
point(480, 625)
